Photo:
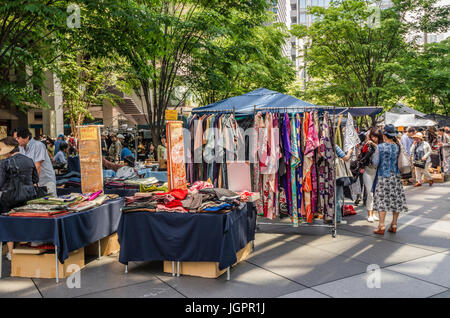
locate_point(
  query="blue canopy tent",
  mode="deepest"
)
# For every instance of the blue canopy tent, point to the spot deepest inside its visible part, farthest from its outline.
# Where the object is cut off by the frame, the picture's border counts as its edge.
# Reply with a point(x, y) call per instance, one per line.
point(265, 99)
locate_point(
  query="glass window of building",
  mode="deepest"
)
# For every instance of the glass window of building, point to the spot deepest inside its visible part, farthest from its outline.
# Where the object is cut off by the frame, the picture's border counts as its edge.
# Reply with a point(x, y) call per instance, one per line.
point(293, 6)
point(302, 4)
point(293, 20)
point(303, 18)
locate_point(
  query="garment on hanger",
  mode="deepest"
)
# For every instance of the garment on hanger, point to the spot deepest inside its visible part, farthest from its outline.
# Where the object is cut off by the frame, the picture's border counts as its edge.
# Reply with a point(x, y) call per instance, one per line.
point(326, 170)
point(256, 152)
point(312, 142)
point(295, 161)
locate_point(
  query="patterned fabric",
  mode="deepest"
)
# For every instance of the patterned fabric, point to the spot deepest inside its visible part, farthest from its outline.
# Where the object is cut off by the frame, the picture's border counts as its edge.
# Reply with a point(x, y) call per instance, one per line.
point(389, 195)
point(326, 171)
point(295, 161)
point(256, 166)
point(351, 138)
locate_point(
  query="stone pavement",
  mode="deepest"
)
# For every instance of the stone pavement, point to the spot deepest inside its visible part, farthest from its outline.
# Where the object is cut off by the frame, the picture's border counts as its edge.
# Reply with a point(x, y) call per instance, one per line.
point(291, 262)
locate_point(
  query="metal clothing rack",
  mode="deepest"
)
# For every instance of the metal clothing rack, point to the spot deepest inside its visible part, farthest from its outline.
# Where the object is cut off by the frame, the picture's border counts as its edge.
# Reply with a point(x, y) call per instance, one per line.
point(306, 109)
point(222, 111)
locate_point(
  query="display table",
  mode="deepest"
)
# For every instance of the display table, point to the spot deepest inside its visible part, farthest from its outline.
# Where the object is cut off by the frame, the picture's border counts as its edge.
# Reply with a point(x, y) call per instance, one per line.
point(120, 192)
point(186, 237)
point(68, 232)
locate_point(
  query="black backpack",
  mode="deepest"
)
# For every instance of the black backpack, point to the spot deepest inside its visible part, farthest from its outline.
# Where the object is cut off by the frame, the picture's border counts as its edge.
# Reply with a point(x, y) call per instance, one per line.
point(16, 193)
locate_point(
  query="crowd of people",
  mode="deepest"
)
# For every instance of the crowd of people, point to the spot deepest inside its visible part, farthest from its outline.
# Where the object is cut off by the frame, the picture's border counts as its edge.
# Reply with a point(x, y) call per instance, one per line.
point(384, 158)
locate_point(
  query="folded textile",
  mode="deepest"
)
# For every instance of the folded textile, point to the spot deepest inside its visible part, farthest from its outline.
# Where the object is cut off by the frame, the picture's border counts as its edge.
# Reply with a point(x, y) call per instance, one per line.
point(222, 194)
point(39, 208)
point(162, 208)
point(173, 204)
point(179, 194)
point(85, 205)
point(146, 181)
point(61, 200)
point(139, 210)
point(219, 207)
point(198, 185)
point(192, 201)
point(39, 214)
point(153, 188)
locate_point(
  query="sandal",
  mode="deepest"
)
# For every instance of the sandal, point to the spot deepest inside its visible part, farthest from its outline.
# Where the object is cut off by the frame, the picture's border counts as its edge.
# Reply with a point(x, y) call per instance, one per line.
point(379, 230)
point(393, 228)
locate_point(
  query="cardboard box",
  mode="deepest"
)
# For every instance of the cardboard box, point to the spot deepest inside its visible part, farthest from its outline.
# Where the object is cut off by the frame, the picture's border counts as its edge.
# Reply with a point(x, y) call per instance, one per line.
point(44, 265)
point(109, 245)
point(438, 178)
point(206, 269)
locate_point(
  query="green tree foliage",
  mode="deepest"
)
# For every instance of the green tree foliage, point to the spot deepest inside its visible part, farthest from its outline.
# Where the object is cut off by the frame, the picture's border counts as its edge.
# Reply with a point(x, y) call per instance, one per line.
point(161, 40)
point(27, 47)
point(85, 82)
point(427, 73)
point(355, 63)
point(240, 61)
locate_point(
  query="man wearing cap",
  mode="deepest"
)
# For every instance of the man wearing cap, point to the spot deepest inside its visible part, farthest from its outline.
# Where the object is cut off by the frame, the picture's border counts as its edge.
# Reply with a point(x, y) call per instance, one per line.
point(58, 142)
point(421, 151)
point(115, 149)
point(38, 153)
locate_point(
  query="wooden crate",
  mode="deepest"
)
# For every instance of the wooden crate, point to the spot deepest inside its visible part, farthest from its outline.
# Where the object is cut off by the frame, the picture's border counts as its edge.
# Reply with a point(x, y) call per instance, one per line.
point(206, 269)
point(109, 245)
point(44, 265)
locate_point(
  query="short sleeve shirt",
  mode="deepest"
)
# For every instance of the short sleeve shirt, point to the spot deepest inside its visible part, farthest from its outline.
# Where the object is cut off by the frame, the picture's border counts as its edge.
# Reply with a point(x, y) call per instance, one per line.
point(37, 152)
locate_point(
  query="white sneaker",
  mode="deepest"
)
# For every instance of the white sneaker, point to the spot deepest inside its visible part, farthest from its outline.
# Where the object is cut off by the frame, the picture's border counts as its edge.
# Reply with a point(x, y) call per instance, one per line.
point(375, 218)
point(370, 219)
point(342, 222)
point(8, 256)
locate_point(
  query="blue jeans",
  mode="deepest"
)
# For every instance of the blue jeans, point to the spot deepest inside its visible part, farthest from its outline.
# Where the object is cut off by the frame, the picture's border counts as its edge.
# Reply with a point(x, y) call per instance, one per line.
point(339, 202)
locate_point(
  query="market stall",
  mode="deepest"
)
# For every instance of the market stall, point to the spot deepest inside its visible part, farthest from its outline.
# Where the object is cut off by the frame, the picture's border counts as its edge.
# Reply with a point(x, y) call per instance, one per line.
point(291, 151)
point(186, 237)
point(66, 229)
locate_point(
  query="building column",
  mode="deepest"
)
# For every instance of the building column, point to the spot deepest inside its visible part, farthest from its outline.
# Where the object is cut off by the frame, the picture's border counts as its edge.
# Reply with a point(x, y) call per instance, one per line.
point(110, 115)
point(53, 117)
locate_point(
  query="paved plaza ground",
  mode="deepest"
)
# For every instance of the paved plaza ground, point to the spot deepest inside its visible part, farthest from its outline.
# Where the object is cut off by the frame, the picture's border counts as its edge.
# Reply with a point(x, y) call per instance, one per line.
point(293, 263)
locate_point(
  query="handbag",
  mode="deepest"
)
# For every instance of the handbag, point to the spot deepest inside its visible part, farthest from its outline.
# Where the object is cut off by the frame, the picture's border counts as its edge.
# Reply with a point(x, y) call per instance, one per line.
point(419, 164)
point(403, 162)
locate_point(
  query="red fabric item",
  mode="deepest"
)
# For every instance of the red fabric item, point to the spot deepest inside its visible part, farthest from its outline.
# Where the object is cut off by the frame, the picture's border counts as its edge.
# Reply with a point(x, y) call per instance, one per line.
point(173, 204)
point(39, 214)
point(176, 193)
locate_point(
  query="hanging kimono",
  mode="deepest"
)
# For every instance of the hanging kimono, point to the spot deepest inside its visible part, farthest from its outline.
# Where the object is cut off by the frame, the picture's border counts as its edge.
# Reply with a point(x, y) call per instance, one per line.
point(314, 176)
point(312, 142)
point(286, 142)
point(326, 170)
point(299, 168)
point(351, 140)
point(256, 151)
point(270, 158)
point(295, 161)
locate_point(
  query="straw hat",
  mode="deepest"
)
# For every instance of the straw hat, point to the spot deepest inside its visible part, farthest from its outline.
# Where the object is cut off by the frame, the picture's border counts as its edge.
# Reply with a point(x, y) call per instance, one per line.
point(5, 149)
point(418, 135)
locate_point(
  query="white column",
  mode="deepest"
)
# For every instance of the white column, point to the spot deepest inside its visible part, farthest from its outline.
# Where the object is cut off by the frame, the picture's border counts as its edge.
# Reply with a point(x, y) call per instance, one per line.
point(53, 117)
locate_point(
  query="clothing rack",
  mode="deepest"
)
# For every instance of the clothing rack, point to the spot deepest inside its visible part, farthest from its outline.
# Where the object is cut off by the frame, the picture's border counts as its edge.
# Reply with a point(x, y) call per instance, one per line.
point(222, 111)
point(306, 109)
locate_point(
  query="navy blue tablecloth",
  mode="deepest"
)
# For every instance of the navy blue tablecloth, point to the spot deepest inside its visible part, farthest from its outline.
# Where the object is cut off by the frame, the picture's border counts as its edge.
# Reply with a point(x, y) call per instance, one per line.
point(69, 232)
point(119, 192)
point(186, 237)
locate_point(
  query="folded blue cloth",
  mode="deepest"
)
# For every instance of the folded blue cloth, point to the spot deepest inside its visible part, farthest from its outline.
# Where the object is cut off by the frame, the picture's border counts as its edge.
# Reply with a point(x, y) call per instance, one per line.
point(109, 174)
point(219, 207)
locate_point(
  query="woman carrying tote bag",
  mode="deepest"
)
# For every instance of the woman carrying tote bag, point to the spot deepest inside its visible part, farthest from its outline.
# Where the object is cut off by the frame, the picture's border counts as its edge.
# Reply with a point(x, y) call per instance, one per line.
point(421, 151)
